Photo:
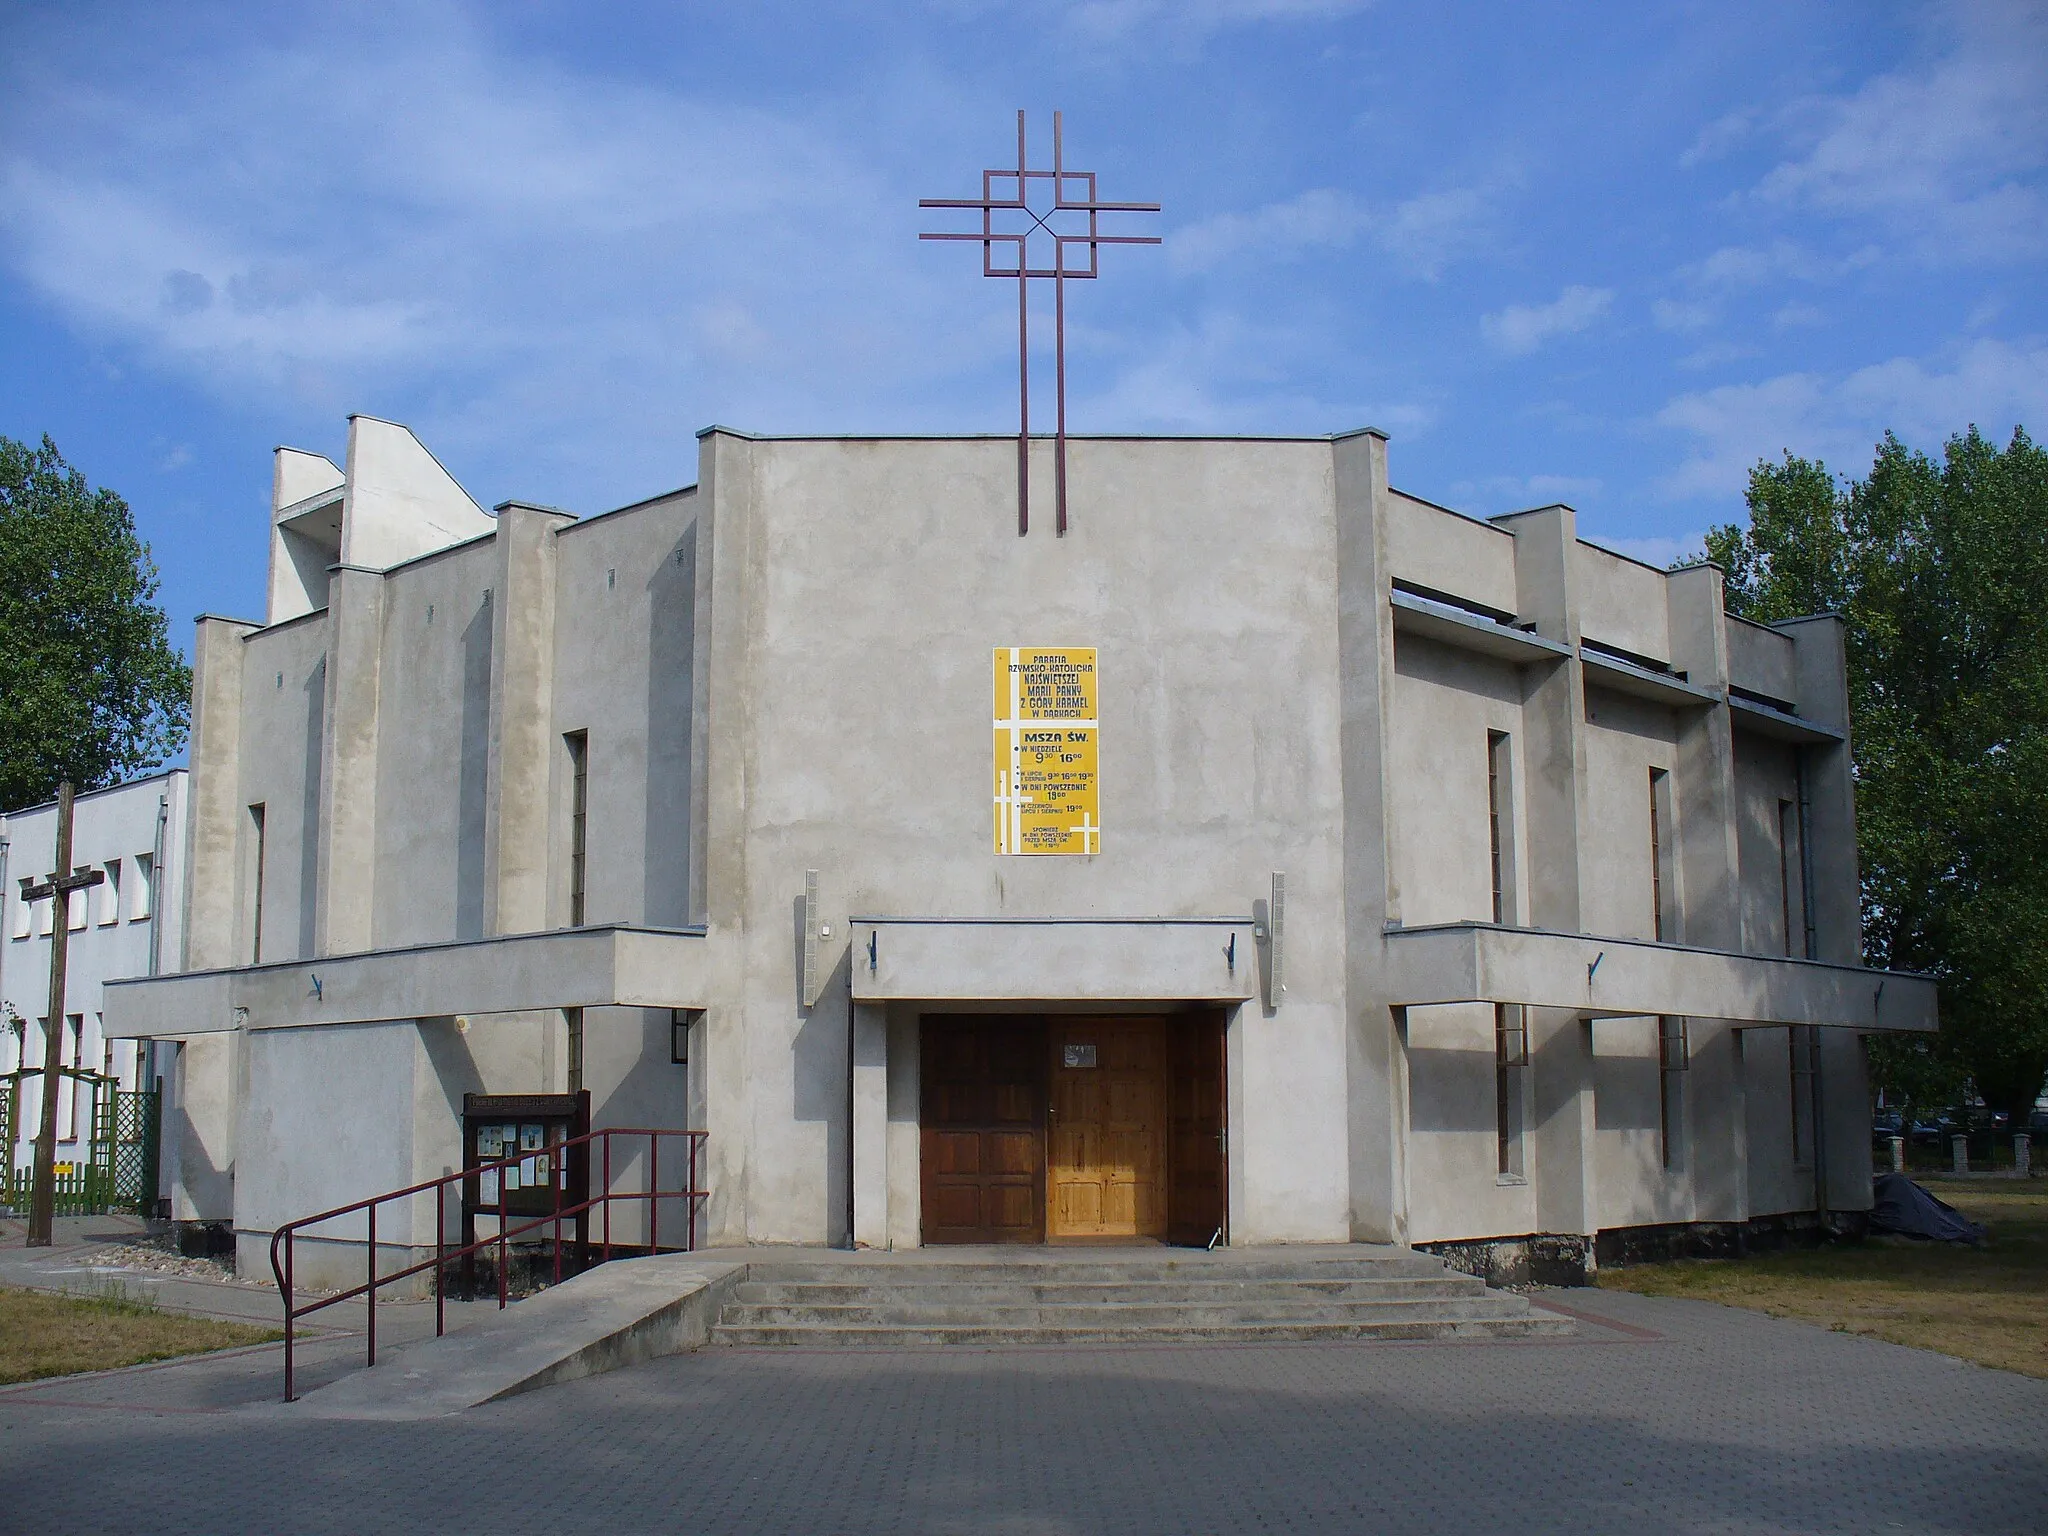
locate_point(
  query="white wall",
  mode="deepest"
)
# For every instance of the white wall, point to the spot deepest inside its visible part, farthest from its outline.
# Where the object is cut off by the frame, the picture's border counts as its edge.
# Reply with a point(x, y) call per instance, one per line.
point(113, 830)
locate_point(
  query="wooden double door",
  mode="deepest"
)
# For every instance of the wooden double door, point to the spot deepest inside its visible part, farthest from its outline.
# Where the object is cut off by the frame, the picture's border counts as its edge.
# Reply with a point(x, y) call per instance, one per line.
point(1073, 1127)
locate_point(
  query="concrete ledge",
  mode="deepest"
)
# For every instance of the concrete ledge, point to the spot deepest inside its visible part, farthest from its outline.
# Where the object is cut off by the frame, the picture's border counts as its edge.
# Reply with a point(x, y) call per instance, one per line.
point(1601, 977)
point(935, 959)
point(616, 965)
point(616, 1315)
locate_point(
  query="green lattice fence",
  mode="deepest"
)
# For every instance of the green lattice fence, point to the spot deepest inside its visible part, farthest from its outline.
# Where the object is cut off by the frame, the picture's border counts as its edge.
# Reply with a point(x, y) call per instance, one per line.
point(119, 1171)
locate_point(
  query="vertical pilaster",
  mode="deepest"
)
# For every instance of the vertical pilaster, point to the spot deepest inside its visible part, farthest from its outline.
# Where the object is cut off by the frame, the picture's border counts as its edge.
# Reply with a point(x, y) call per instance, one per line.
point(345, 922)
point(1708, 902)
point(1820, 677)
point(200, 1125)
point(213, 797)
point(522, 720)
point(719, 734)
point(870, 1125)
point(1563, 1170)
point(1372, 898)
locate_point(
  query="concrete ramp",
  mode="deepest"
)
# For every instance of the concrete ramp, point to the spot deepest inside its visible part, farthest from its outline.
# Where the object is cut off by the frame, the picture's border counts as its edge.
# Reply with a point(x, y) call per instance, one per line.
point(615, 1315)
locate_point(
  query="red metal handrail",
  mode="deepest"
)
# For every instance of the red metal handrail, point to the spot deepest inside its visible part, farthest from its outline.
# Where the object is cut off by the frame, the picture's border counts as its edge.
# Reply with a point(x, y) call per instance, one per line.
point(285, 1236)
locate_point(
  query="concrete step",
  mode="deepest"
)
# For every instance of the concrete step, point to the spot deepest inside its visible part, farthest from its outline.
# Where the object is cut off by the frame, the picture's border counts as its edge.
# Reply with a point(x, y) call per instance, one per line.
point(1053, 1271)
point(828, 1336)
point(1036, 1297)
point(1121, 1314)
point(940, 1292)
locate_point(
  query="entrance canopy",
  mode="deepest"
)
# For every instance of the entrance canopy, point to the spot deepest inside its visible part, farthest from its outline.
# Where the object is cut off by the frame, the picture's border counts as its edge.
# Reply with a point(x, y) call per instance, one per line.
point(1618, 978)
point(599, 967)
point(1075, 959)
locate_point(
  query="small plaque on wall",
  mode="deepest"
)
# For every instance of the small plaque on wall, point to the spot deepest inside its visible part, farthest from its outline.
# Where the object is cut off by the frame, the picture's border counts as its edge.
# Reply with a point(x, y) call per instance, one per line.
point(1077, 1055)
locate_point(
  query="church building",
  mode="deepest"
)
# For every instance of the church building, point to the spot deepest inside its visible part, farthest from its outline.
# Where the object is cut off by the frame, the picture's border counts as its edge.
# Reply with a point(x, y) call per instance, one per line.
point(1265, 856)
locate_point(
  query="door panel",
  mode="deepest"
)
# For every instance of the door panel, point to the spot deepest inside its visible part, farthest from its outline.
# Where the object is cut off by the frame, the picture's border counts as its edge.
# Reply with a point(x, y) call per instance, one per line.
point(982, 1139)
point(1198, 1174)
point(1106, 1164)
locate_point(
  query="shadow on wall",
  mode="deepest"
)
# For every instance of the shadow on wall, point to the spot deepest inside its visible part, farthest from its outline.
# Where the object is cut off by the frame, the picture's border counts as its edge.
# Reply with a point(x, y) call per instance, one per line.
point(309, 828)
point(820, 1063)
point(475, 774)
point(455, 1067)
point(649, 1089)
point(1450, 1090)
point(671, 644)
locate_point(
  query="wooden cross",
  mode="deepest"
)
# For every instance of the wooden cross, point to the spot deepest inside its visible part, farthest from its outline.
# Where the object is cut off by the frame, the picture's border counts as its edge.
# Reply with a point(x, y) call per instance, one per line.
point(58, 887)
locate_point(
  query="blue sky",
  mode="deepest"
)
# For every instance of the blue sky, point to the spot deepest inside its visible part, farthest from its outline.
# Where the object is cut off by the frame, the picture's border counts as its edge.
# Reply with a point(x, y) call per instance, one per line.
point(1604, 254)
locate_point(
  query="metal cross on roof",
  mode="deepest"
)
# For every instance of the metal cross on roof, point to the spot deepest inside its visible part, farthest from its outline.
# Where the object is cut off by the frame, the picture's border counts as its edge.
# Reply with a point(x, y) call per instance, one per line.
point(1023, 232)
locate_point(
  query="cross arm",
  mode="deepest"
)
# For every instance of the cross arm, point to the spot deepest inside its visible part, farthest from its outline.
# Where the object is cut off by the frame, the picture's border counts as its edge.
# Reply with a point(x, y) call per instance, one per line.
point(66, 884)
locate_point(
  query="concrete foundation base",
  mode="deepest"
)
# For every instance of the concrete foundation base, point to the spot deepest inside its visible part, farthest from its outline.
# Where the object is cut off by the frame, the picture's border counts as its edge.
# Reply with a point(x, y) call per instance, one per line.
point(204, 1239)
point(1568, 1259)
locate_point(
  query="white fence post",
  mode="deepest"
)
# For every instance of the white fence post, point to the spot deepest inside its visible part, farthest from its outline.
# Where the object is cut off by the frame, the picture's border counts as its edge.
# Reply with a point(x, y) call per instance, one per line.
point(2023, 1155)
point(1959, 1150)
point(1898, 1154)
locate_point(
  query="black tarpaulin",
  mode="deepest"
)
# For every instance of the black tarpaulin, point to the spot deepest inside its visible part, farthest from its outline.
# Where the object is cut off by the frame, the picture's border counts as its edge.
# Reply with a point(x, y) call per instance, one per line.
point(1901, 1206)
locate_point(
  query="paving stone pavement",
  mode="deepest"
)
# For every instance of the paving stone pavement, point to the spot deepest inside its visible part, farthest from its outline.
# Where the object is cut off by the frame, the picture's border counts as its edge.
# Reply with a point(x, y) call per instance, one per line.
point(1661, 1416)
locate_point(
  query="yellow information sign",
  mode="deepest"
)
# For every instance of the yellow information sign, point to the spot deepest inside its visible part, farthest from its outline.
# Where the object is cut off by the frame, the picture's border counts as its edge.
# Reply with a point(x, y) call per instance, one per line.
point(1046, 724)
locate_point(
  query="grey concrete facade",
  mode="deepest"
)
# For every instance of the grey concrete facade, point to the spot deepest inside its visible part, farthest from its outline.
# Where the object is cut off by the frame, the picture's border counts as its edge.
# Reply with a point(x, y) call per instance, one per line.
point(784, 669)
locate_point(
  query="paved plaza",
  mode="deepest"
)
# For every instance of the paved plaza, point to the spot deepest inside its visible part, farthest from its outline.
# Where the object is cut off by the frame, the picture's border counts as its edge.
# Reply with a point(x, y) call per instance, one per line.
point(1661, 1416)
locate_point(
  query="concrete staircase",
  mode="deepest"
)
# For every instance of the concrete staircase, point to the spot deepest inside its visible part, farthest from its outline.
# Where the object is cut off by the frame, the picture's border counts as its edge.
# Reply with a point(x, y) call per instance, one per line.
point(1080, 1296)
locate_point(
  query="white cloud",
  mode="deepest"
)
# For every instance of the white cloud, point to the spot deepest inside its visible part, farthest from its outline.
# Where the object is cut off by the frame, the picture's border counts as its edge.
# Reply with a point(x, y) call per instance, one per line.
point(1224, 373)
point(1735, 267)
point(1949, 155)
point(1837, 418)
point(1422, 234)
point(490, 232)
point(1722, 135)
point(1520, 329)
point(1717, 353)
point(1426, 232)
point(1789, 315)
point(1681, 315)
point(1321, 217)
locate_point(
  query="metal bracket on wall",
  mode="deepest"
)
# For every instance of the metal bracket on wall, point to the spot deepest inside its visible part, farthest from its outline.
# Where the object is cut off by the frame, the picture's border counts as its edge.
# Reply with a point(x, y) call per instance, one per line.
point(1269, 920)
point(810, 976)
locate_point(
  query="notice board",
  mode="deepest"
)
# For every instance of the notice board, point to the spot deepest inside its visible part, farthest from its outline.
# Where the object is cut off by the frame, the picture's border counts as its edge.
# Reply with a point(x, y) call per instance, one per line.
point(1047, 766)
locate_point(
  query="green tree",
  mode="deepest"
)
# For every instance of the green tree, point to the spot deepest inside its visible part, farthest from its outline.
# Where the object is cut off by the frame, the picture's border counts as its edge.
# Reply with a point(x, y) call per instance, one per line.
point(90, 686)
point(1940, 570)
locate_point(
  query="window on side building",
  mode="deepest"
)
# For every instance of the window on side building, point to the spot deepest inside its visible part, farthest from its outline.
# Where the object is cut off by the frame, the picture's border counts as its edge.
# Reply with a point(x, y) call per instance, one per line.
point(1674, 1058)
point(75, 1112)
point(1801, 1040)
point(141, 896)
point(253, 882)
point(1662, 926)
point(110, 894)
point(578, 744)
point(1500, 823)
point(1510, 1063)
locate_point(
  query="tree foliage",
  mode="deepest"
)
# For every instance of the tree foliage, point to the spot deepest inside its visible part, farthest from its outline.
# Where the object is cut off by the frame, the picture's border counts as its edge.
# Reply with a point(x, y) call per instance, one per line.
point(1940, 569)
point(90, 686)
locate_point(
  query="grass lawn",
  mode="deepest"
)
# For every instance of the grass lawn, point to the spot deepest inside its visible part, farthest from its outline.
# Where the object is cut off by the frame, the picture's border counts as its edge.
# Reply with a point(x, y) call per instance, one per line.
point(1985, 1304)
point(59, 1335)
